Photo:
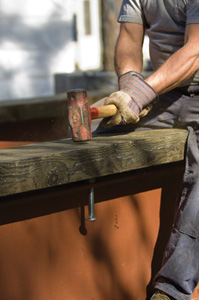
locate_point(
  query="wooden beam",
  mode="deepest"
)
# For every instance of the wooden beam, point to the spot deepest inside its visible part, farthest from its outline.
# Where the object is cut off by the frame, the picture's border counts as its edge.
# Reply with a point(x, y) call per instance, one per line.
point(48, 164)
point(40, 108)
point(42, 202)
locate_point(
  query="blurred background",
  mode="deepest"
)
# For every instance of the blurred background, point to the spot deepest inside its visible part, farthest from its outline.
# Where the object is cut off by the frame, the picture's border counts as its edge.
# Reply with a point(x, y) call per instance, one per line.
point(49, 46)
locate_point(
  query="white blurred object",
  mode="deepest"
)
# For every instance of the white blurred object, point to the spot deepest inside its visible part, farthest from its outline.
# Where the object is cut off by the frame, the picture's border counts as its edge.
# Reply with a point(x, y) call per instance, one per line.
point(41, 38)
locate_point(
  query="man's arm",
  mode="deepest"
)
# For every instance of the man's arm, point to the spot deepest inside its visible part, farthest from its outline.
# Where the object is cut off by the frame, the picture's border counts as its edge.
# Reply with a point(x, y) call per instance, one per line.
point(134, 93)
point(128, 51)
point(180, 66)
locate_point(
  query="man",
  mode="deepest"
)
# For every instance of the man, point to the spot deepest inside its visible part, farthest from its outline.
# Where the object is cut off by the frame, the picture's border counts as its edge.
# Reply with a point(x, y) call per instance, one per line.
point(173, 90)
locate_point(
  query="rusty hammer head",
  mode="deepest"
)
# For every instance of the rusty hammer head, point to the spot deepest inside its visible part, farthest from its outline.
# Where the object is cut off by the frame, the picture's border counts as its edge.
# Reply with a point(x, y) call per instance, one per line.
point(79, 115)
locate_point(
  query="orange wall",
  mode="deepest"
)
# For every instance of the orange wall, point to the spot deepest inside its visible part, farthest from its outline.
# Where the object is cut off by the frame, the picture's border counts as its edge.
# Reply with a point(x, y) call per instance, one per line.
point(48, 259)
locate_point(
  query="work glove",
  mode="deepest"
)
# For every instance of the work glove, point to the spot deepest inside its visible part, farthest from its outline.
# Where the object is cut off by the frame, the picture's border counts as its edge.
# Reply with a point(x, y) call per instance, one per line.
point(133, 100)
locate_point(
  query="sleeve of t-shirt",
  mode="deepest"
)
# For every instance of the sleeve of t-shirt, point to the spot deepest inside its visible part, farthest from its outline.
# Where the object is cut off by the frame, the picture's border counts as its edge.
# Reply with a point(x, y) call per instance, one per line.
point(131, 11)
point(192, 11)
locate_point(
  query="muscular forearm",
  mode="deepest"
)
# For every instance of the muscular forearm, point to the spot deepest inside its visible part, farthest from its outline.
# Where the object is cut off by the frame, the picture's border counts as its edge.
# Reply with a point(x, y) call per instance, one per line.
point(180, 66)
point(128, 51)
point(126, 61)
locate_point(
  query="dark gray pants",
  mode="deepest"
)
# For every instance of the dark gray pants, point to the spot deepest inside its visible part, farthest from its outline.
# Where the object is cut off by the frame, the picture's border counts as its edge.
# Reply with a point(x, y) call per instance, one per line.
point(179, 108)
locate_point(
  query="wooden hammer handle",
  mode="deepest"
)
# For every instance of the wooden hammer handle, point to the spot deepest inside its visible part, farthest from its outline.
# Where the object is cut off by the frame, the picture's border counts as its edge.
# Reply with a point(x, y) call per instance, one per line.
point(103, 111)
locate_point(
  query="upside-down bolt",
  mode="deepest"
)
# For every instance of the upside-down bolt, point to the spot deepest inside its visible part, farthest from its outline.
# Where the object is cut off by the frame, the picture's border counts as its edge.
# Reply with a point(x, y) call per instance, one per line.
point(91, 213)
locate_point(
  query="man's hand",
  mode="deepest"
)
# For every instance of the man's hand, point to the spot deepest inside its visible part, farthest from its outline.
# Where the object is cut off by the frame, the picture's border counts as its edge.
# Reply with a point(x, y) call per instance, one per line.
point(133, 100)
point(124, 115)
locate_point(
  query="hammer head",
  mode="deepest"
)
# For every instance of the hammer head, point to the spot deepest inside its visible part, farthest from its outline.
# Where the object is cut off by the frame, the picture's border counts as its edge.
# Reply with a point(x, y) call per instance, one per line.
point(79, 115)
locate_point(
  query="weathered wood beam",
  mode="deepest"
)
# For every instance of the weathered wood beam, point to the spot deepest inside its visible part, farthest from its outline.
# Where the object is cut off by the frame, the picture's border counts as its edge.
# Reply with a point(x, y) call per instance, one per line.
point(43, 165)
point(41, 108)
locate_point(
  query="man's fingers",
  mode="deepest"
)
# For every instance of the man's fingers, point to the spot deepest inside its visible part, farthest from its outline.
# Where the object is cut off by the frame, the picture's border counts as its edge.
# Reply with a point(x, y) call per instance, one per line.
point(146, 110)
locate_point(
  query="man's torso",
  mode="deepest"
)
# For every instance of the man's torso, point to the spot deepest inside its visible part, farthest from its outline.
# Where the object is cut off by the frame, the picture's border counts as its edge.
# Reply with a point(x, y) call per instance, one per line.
point(165, 22)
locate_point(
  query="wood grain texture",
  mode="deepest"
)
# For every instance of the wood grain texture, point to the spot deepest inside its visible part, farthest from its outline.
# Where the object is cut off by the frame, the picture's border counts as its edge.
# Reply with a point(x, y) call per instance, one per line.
point(43, 165)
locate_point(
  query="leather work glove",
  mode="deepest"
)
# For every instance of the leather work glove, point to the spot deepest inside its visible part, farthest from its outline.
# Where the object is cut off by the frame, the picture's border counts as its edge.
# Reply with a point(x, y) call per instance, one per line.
point(133, 100)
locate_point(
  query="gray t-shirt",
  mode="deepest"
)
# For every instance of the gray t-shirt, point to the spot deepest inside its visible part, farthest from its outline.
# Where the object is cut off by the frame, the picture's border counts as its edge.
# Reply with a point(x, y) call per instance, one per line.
point(164, 21)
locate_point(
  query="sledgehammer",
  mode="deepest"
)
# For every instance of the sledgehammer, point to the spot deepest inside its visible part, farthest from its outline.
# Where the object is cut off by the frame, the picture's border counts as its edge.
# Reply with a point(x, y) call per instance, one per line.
point(80, 114)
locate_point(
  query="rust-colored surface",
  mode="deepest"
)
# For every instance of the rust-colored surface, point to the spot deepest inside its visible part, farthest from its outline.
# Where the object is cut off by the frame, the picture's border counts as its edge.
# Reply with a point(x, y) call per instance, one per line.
point(47, 258)
point(10, 144)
